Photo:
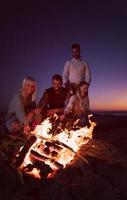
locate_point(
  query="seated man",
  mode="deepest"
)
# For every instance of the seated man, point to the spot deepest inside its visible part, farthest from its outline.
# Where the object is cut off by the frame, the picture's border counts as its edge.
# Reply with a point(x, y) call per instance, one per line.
point(54, 98)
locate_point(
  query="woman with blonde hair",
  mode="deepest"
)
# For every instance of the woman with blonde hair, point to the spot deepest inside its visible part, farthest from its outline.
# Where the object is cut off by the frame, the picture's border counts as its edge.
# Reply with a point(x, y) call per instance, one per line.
point(22, 109)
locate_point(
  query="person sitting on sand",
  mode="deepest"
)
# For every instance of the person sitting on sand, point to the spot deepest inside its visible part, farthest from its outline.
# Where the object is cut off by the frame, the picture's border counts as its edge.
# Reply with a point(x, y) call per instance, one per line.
point(78, 105)
point(22, 113)
point(54, 98)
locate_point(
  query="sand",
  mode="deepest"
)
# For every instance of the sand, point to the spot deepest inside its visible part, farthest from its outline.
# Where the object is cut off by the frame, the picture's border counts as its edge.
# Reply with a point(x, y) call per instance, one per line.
point(105, 177)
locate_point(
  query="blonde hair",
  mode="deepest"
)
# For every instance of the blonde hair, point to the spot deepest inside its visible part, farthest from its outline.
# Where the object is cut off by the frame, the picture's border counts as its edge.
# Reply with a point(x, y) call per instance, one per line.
point(33, 80)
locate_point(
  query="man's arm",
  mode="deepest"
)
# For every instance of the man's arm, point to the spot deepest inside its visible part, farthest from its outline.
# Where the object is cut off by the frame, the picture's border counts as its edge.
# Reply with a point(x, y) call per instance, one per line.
point(66, 73)
point(55, 111)
point(70, 105)
point(43, 101)
point(68, 109)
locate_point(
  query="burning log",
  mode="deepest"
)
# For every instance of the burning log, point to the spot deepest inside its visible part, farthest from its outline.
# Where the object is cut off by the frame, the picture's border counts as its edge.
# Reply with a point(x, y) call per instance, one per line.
point(46, 151)
point(69, 148)
point(57, 164)
point(24, 151)
point(36, 156)
point(28, 168)
point(54, 153)
point(60, 145)
point(53, 146)
point(44, 169)
point(50, 152)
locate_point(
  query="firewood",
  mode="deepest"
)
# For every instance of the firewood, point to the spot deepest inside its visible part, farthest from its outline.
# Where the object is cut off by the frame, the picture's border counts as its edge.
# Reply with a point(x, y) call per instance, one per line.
point(58, 165)
point(24, 151)
point(44, 168)
point(53, 145)
point(54, 153)
point(69, 148)
point(46, 151)
point(28, 168)
point(36, 156)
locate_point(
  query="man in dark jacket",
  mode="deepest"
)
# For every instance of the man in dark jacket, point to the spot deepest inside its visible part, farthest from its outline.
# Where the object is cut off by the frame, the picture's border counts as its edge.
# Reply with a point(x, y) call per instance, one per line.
point(54, 98)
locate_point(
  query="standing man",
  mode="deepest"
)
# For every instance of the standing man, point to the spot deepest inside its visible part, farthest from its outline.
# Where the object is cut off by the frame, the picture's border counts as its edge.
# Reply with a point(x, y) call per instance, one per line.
point(54, 98)
point(76, 70)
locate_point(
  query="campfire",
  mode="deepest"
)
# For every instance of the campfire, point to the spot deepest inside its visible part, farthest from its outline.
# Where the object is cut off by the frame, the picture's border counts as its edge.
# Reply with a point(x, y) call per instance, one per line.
point(51, 147)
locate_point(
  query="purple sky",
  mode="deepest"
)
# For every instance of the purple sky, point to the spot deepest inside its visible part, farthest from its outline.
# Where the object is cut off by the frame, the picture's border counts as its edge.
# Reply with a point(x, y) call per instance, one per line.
point(35, 40)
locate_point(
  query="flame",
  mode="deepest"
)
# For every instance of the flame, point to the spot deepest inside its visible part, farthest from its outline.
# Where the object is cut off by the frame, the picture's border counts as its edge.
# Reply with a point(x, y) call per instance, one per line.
point(68, 142)
point(35, 172)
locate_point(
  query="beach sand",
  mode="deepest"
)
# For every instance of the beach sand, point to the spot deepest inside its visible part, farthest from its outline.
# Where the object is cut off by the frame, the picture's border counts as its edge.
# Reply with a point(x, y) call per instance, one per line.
point(104, 177)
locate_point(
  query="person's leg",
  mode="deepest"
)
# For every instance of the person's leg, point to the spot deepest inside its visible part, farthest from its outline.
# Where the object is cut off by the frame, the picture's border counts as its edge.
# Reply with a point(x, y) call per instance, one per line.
point(12, 126)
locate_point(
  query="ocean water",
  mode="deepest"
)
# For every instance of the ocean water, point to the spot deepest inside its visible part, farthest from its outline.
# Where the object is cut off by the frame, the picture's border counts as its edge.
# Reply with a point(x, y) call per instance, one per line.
point(111, 113)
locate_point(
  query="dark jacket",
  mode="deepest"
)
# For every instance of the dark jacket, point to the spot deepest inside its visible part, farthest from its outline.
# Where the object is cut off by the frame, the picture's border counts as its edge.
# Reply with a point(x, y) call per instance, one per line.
point(51, 100)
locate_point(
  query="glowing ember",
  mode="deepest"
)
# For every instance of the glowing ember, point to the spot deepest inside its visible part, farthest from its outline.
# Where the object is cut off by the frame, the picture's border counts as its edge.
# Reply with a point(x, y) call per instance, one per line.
point(35, 172)
point(54, 151)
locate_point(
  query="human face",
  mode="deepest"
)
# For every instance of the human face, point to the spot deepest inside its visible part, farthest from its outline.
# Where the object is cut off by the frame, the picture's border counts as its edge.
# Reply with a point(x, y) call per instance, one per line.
point(29, 87)
point(76, 53)
point(84, 90)
point(57, 85)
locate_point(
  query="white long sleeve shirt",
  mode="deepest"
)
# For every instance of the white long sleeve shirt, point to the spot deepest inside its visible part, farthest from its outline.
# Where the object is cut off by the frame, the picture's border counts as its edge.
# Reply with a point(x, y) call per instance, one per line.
point(76, 70)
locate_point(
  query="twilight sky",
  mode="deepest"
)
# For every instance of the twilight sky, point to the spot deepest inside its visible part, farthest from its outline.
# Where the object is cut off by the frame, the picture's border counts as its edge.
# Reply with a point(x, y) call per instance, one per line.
point(35, 40)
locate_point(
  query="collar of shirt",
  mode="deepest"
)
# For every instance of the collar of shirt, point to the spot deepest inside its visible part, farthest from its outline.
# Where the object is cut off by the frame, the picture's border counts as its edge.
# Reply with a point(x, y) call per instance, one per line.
point(79, 59)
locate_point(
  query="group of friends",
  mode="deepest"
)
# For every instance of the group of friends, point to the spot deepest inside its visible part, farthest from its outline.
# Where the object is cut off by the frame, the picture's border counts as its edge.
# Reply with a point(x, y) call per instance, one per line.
point(67, 97)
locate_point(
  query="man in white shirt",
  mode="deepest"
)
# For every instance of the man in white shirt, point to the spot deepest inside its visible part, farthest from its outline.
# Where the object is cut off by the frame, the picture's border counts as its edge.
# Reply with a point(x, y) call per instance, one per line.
point(76, 69)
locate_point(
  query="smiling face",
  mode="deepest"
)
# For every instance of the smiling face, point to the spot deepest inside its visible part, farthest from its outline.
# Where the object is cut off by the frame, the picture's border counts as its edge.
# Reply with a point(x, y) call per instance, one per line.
point(83, 90)
point(57, 85)
point(29, 87)
point(76, 53)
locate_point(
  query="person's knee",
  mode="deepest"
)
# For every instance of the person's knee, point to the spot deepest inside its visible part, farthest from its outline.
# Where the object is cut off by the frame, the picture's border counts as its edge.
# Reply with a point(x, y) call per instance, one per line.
point(12, 127)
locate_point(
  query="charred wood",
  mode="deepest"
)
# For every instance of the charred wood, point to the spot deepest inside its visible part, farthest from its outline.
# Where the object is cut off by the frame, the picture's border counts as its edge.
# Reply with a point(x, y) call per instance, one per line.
point(36, 156)
point(24, 151)
point(53, 145)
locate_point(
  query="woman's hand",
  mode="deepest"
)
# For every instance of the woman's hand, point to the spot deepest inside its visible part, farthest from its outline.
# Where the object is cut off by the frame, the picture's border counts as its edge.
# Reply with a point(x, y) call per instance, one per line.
point(54, 111)
point(37, 110)
point(30, 116)
point(26, 129)
point(62, 117)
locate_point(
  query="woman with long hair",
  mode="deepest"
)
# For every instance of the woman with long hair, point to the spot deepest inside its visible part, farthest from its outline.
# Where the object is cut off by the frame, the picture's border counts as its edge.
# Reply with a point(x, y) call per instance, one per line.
point(22, 109)
point(78, 105)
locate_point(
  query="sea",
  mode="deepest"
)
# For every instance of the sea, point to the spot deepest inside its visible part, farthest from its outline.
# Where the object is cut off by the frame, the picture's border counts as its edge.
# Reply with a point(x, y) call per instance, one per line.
point(111, 113)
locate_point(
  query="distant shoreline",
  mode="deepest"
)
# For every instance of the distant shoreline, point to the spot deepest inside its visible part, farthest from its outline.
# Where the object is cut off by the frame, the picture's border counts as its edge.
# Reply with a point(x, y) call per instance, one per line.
point(111, 113)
